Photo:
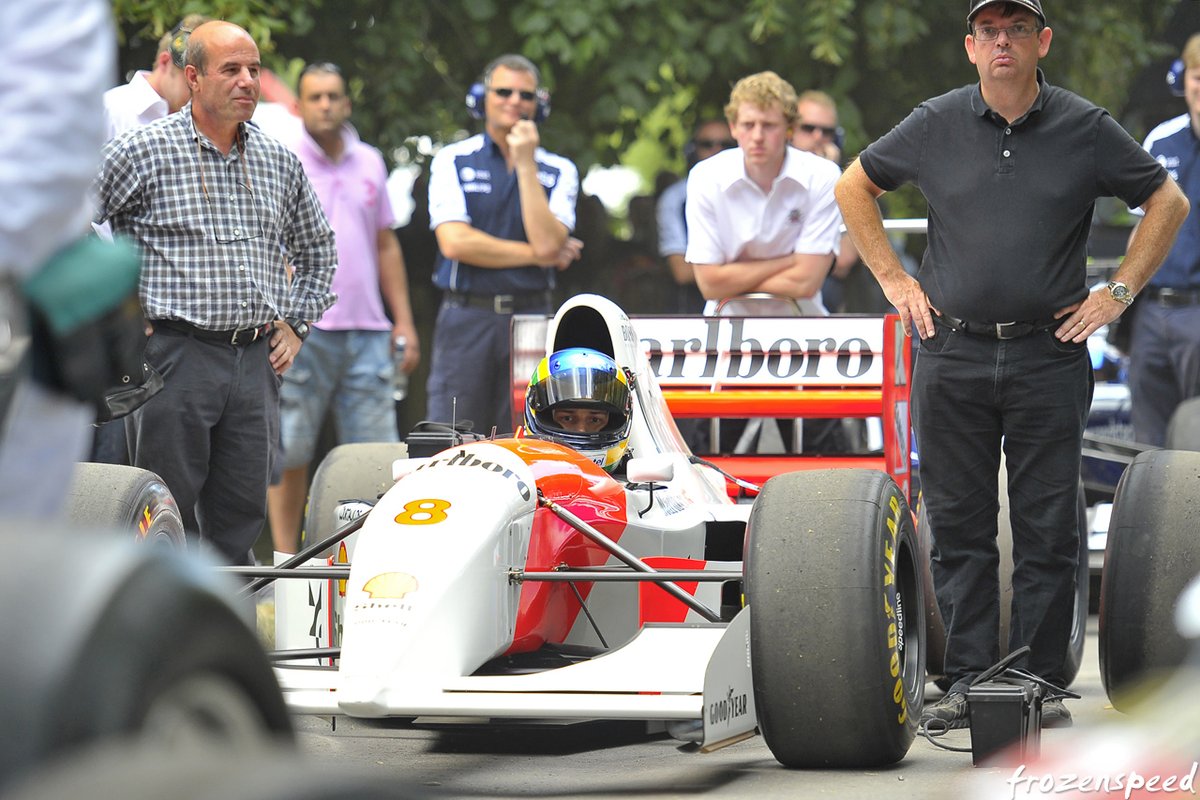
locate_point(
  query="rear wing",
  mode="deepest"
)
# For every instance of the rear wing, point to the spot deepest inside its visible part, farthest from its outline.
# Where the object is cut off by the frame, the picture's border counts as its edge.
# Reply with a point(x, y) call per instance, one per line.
point(808, 367)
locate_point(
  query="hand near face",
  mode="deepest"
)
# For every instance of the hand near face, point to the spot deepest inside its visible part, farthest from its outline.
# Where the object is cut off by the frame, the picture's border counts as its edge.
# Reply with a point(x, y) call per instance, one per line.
point(523, 140)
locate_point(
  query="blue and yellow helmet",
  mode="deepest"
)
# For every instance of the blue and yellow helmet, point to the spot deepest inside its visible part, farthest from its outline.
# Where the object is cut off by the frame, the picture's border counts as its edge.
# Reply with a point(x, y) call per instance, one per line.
point(579, 377)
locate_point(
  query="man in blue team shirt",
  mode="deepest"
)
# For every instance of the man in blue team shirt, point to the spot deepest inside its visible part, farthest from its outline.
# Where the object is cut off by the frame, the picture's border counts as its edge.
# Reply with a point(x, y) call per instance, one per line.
point(1164, 368)
point(502, 209)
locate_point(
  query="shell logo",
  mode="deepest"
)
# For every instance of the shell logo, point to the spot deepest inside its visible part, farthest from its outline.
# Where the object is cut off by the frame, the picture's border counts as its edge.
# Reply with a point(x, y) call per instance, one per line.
point(390, 586)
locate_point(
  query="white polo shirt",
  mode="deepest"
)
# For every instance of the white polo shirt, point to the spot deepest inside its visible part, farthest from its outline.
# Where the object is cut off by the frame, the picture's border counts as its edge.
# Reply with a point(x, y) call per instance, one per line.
point(729, 218)
point(132, 105)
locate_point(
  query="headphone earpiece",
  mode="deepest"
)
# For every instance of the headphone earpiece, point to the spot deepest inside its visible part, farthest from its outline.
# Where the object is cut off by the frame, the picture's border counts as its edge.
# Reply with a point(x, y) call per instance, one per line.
point(477, 95)
point(1175, 77)
point(475, 99)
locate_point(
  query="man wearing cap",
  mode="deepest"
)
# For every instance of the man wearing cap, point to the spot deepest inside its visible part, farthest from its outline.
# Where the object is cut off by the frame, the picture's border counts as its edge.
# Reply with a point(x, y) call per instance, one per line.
point(1011, 168)
point(1165, 368)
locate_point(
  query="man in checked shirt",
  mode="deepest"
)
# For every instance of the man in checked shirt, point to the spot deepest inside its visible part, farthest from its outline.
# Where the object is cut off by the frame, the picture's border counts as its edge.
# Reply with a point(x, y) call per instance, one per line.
point(216, 207)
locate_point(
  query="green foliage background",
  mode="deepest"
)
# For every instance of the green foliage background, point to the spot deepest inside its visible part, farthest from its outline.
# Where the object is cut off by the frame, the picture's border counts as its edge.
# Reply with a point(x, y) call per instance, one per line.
point(631, 77)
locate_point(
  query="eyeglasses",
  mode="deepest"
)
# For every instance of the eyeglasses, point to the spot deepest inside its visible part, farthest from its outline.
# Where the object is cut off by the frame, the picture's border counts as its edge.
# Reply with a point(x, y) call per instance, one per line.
point(506, 93)
point(715, 144)
point(1021, 30)
point(227, 227)
point(830, 132)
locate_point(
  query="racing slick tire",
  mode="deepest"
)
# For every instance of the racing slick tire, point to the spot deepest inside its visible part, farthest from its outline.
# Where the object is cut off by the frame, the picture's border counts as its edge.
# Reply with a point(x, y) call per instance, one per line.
point(114, 496)
point(1183, 431)
point(935, 635)
point(122, 641)
point(1151, 555)
point(360, 471)
point(837, 635)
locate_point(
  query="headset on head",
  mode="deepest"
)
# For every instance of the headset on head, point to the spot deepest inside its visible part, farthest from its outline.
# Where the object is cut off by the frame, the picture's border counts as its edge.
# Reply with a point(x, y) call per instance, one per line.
point(178, 46)
point(1175, 77)
point(477, 97)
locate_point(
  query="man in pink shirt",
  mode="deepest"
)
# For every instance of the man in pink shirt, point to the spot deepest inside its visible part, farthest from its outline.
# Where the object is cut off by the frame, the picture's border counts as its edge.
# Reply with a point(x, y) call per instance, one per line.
point(346, 363)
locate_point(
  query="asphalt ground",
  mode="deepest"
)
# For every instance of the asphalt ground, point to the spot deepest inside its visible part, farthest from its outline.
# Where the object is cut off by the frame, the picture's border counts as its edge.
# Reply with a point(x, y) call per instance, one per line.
point(621, 760)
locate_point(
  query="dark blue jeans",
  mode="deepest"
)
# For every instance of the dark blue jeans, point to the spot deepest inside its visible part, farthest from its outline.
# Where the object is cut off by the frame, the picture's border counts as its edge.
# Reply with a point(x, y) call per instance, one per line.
point(971, 397)
point(470, 368)
point(210, 434)
point(1164, 366)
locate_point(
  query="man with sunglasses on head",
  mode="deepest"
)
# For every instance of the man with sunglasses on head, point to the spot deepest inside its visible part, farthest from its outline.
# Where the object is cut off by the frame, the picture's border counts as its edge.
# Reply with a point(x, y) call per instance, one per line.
point(1011, 168)
point(154, 93)
point(237, 262)
point(710, 137)
point(502, 209)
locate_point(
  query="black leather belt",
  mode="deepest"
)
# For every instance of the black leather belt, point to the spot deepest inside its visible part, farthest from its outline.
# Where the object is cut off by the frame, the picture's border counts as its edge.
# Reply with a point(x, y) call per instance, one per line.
point(1173, 297)
point(237, 338)
point(502, 303)
point(996, 330)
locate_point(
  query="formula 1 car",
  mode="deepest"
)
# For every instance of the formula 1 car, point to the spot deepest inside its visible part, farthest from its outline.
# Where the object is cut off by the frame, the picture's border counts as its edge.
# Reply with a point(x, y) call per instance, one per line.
point(515, 580)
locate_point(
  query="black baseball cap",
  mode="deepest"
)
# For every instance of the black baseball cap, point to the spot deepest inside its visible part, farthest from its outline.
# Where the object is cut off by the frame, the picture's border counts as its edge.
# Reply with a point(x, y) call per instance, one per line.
point(1033, 5)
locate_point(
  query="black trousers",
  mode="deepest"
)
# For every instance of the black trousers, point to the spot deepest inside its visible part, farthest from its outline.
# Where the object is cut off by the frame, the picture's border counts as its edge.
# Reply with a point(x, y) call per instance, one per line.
point(971, 397)
point(210, 435)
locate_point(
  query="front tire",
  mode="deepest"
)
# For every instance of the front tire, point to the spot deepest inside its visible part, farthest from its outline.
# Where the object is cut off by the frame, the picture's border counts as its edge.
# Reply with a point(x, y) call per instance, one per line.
point(361, 471)
point(837, 633)
point(126, 641)
point(1150, 557)
point(125, 498)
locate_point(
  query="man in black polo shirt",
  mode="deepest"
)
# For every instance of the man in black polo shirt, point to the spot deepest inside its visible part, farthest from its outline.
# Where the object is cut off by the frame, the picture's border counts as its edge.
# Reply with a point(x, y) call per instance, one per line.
point(502, 209)
point(1011, 168)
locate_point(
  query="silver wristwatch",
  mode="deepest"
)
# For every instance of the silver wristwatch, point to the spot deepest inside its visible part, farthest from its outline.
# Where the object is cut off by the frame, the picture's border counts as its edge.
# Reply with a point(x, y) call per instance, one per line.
point(1120, 292)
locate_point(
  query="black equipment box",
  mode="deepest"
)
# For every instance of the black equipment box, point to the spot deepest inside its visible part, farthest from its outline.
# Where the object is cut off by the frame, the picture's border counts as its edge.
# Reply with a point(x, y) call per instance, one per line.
point(1006, 714)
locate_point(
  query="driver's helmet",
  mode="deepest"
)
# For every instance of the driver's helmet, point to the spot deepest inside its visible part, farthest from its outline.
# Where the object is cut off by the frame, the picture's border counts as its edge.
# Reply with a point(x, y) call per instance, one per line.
point(581, 378)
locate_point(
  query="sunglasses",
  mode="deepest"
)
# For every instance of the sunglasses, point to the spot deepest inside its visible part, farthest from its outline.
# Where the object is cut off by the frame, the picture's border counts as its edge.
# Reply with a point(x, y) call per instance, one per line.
point(711, 144)
point(830, 132)
point(528, 97)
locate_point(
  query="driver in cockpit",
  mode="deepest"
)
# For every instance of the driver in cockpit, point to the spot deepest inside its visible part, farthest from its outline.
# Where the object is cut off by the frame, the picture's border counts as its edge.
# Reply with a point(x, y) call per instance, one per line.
point(580, 398)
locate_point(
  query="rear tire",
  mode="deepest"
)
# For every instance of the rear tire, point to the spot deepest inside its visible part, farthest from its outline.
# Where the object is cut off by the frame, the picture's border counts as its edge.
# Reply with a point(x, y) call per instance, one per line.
point(125, 498)
point(348, 472)
point(1150, 557)
point(1183, 431)
point(837, 637)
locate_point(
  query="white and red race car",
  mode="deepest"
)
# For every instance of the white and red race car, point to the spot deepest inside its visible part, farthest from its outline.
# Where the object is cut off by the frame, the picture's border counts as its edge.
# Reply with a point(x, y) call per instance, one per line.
point(513, 579)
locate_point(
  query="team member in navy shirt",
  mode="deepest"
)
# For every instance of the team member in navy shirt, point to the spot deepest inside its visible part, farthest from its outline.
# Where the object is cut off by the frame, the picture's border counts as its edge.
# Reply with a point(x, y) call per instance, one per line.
point(1011, 168)
point(1165, 366)
point(502, 209)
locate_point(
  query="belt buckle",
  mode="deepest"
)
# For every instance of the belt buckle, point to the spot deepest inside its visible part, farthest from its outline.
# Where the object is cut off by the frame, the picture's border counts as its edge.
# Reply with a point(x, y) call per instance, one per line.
point(1003, 335)
point(502, 303)
point(236, 339)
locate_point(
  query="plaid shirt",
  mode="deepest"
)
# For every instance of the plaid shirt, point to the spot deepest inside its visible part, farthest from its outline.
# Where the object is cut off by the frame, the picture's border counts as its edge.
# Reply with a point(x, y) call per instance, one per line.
point(215, 229)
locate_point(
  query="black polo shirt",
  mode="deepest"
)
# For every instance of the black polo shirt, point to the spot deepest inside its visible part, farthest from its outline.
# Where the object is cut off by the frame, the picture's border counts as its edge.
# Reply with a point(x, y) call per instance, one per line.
point(1010, 206)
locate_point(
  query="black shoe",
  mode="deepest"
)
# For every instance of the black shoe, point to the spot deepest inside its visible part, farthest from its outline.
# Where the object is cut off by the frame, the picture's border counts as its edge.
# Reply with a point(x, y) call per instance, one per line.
point(949, 712)
point(1055, 714)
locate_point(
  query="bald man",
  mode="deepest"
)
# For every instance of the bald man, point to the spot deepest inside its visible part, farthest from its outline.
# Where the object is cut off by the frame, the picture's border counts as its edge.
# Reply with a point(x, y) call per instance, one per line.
point(218, 208)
